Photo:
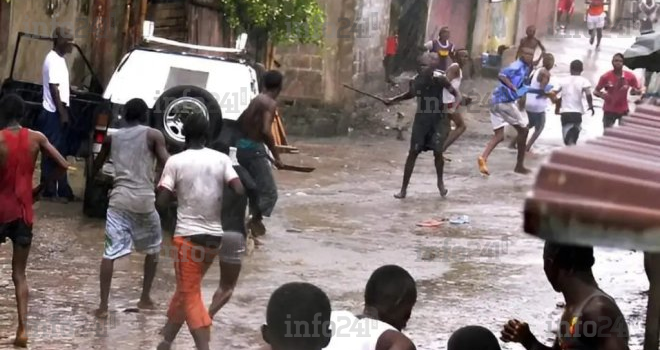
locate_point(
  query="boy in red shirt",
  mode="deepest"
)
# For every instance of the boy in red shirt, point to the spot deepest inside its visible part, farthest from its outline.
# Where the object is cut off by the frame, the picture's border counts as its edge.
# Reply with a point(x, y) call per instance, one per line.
point(616, 84)
point(391, 46)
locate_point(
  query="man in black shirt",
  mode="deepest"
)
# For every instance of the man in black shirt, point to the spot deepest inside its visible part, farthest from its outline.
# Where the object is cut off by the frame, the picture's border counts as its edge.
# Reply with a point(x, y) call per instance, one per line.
point(431, 125)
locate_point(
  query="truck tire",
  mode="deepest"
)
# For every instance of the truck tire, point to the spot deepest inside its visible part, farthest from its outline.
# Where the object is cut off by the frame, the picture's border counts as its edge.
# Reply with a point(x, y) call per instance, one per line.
point(173, 105)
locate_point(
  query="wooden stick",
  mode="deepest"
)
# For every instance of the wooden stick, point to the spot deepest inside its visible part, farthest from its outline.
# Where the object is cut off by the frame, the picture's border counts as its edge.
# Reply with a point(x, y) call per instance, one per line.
point(365, 93)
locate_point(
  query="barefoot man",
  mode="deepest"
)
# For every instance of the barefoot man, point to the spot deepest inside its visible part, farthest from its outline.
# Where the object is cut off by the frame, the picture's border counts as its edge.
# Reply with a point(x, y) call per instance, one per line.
point(455, 75)
point(431, 124)
point(19, 148)
point(132, 219)
point(256, 124)
point(505, 111)
point(197, 178)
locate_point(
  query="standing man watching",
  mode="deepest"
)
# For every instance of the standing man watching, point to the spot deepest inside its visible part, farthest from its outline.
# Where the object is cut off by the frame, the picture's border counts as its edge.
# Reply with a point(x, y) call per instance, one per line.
point(616, 84)
point(132, 218)
point(54, 119)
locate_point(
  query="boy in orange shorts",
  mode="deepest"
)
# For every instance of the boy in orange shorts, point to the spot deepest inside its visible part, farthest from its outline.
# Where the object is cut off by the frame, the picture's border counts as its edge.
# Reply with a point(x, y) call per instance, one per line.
point(197, 177)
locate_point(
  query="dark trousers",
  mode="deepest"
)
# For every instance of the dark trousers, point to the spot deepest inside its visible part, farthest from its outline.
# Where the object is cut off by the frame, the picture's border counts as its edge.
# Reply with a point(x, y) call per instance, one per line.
point(48, 123)
point(263, 197)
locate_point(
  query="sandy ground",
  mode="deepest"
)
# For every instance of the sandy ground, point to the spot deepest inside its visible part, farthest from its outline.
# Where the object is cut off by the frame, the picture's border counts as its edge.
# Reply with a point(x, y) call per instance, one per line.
point(333, 227)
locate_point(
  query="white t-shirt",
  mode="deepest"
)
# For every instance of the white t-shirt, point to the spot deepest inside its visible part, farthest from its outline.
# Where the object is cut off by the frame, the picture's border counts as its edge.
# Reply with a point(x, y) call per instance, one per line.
point(352, 333)
point(197, 177)
point(572, 88)
point(55, 71)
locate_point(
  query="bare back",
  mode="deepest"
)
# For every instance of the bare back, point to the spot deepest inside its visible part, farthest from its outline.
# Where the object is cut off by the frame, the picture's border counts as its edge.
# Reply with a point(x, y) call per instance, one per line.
point(252, 122)
point(34, 139)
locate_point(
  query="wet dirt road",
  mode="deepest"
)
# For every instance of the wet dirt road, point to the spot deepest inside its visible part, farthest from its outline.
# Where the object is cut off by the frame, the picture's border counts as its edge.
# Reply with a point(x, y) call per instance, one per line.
point(332, 228)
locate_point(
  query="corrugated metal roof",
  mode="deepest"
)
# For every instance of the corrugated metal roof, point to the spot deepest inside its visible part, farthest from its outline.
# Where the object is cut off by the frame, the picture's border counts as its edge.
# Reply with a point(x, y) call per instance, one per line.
point(605, 192)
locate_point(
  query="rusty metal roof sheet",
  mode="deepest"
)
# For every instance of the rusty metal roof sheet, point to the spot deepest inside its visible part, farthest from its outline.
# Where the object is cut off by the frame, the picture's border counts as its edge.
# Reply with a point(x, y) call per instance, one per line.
point(605, 192)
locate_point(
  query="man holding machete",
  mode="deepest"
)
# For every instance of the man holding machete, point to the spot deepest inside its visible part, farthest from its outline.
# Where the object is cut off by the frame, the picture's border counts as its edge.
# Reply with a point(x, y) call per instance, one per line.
point(431, 125)
point(255, 125)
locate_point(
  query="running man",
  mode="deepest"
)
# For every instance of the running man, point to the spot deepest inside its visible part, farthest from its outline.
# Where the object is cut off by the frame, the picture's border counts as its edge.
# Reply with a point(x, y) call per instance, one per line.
point(504, 110)
point(55, 118)
point(596, 20)
point(536, 104)
point(389, 297)
point(591, 318)
point(19, 149)
point(256, 123)
point(443, 47)
point(295, 304)
point(455, 76)
point(431, 125)
point(197, 178)
point(234, 208)
point(132, 219)
point(566, 8)
point(616, 84)
point(648, 10)
point(570, 105)
point(532, 42)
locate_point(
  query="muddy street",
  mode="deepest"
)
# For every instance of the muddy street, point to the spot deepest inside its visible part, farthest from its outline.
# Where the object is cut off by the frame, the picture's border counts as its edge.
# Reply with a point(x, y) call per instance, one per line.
point(333, 227)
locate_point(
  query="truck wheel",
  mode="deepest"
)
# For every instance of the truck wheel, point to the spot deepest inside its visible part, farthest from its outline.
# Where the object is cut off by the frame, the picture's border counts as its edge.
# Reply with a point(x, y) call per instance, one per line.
point(95, 199)
point(175, 104)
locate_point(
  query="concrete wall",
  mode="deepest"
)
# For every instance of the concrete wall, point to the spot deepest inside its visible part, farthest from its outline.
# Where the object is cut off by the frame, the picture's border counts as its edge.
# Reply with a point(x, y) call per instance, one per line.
point(540, 13)
point(452, 13)
point(372, 25)
point(496, 25)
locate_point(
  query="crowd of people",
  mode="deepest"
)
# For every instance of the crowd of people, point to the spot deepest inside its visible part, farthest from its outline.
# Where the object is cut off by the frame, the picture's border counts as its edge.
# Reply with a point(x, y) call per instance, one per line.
point(214, 189)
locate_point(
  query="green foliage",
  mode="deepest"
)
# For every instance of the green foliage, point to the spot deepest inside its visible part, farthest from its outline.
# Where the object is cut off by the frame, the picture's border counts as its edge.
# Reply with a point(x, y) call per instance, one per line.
point(285, 21)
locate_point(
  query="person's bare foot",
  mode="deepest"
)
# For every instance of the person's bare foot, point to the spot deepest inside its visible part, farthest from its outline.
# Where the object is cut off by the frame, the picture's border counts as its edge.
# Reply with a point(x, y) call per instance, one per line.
point(101, 313)
point(164, 345)
point(256, 227)
point(400, 195)
point(443, 191)
point(483, 167)
point(522, 170)
point(146, 305)
point(21, 338)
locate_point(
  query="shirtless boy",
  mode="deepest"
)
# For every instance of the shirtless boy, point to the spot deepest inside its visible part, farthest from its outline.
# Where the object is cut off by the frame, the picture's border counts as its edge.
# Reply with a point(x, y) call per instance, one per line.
point(531, 42)
point(19, 149)
point(255, 125)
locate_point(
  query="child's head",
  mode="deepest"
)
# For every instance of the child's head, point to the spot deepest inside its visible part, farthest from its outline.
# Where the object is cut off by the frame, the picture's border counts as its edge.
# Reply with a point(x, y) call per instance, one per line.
point(294, 305)
point(531, 31)
point(473, 338)
point(576, 67)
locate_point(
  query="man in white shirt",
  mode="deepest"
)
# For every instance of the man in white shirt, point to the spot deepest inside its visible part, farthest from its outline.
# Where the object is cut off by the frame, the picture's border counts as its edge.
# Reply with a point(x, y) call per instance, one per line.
point(197, 177)
point(54, 119)
point(570, 105)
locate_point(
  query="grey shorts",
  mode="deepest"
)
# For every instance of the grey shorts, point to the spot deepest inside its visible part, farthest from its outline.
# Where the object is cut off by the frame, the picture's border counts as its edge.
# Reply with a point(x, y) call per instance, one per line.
point(502, 114)
point(536, 120)
point(124, 229)
point(232, 248)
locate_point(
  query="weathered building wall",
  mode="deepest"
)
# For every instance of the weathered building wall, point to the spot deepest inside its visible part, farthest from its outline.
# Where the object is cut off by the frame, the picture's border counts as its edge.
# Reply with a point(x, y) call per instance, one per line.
point(452, 13)
point(371, 30)
point(496, 25)
point(540, 13)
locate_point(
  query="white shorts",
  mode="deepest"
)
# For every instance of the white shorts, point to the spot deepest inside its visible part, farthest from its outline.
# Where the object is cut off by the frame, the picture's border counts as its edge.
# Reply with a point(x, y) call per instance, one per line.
point(596, 22)
point(502, 114)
